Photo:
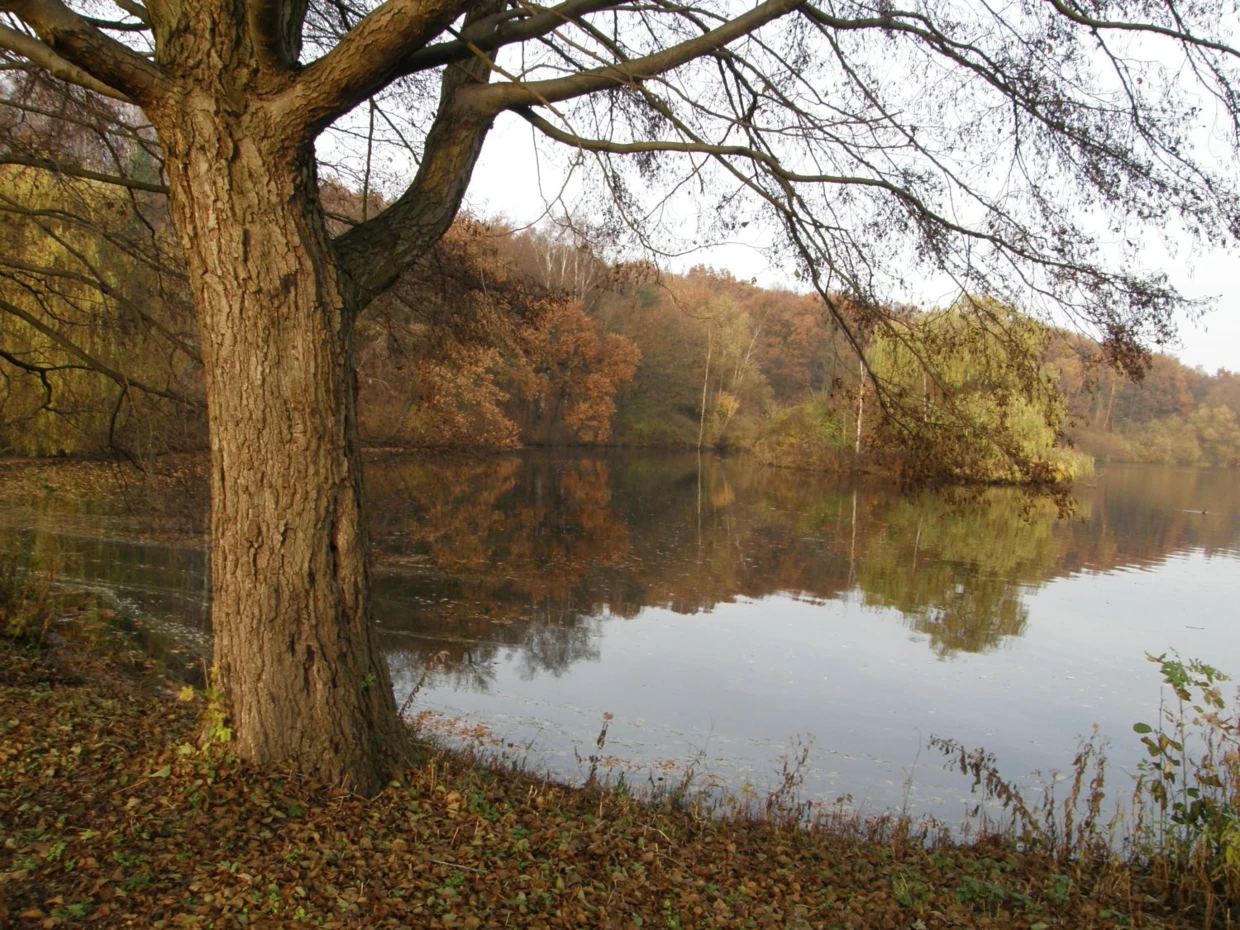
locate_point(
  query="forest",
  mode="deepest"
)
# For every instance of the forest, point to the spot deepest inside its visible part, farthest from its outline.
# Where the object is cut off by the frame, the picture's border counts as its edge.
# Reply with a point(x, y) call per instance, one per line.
point(503, 338)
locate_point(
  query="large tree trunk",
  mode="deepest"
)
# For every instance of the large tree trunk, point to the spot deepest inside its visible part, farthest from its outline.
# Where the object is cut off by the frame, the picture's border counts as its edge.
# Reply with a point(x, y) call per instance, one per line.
point(294, 646)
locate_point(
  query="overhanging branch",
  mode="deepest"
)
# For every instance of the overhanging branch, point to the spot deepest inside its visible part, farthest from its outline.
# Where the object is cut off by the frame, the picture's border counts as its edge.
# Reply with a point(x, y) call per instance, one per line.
point(41, 56)
point(497, 97)
point(496, 32)
point(74, 39)
point(89, 360)
point(366, 60)
point(46, 164)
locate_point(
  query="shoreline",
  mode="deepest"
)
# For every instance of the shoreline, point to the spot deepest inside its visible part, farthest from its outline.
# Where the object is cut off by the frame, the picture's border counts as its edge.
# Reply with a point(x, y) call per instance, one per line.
point(111, 815)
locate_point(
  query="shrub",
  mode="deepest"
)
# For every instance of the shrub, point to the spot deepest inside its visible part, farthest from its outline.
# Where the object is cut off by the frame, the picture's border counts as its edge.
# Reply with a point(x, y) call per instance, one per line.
point(25, 601)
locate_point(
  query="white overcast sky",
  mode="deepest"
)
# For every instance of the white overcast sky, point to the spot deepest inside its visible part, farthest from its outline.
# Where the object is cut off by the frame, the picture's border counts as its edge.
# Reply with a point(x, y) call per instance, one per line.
point(511, 182)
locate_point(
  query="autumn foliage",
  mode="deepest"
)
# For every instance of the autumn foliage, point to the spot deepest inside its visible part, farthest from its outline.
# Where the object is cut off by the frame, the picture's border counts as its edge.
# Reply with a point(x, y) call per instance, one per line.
point(501, 338)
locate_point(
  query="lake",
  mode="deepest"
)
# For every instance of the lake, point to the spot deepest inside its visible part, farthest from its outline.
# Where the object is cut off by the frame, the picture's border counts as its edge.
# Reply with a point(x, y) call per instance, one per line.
point(726, 615)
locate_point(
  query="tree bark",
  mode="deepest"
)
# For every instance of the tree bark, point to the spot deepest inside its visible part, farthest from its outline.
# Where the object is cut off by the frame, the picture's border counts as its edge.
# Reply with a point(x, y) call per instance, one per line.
point(294, 647)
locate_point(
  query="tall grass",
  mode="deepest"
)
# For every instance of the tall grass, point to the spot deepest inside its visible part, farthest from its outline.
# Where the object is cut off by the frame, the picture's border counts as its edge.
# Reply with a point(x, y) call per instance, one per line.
point(1187, 797)
point(1182, 825)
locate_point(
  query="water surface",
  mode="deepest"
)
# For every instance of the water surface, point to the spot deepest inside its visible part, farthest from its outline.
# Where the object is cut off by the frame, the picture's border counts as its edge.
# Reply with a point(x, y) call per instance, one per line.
point(724, 613)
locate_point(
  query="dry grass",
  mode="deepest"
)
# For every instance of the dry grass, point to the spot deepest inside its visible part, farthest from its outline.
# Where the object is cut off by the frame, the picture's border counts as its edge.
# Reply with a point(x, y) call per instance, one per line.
point(1181, 827)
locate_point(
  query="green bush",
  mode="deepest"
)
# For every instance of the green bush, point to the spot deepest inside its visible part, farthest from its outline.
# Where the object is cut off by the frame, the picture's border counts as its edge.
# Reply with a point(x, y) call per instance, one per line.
point(808, 435)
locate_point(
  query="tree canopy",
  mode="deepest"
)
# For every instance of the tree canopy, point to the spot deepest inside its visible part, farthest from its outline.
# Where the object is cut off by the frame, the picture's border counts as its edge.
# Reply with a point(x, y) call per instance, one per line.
point(1001, 146)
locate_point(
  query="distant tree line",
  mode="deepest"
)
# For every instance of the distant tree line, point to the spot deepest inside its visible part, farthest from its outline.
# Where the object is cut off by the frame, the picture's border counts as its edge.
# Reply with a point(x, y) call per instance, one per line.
point(500, 338)
point(1174, 415)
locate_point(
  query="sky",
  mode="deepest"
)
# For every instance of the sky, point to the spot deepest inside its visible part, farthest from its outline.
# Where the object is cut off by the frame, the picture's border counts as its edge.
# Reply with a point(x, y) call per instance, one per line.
point(1214, 341)
point(510, 181)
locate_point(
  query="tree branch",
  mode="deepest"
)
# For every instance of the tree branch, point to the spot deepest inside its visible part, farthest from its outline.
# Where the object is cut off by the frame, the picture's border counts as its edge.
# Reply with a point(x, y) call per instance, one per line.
point(96, 282)
point(275, 27)
point(134, 9)
point(373, 254)
point(46, 164)
point(366, 60)
point(551, 131)
point(1152, 28)
point(42, 56)
point(492, 99)
point(116, 25)
point(497, 31)
point(74, 39)
point(88, 359)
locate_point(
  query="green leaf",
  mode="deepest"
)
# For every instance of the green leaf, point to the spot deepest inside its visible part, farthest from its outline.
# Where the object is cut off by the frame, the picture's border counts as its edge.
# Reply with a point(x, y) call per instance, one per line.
point(162, 773)
point(1142, 728)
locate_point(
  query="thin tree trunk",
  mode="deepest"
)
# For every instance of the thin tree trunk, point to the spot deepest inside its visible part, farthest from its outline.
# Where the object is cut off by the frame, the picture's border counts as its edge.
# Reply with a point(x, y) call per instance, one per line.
point(370, 151)
point(1106, 421)
point(860, 411)
point(852, 545)
point(296, 656)
point(705, 384)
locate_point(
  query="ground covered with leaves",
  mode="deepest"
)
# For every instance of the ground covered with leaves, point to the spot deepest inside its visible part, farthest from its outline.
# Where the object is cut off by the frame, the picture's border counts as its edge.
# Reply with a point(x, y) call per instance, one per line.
point(111, 815)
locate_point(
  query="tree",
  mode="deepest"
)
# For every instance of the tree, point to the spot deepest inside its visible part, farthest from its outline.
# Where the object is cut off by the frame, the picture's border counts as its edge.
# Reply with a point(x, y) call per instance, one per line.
point(572, 370)
point(1218, 433)
point(956, 403)
point(974, 156)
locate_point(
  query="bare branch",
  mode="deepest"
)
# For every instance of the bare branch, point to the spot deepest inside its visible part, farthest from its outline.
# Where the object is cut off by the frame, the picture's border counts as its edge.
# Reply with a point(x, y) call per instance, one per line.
point(498, 31)
point(116, 25)
point(494, 98)
point(46, 164)
point(74, 39)
point(89, 360)
point(1150, 28)
point(43, 57)
point(366, 60)
point(134, 9)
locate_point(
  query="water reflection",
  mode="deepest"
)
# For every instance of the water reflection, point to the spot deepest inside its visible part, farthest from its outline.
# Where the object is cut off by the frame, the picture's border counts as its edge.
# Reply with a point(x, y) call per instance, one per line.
point(717, 609)
point(525, 555)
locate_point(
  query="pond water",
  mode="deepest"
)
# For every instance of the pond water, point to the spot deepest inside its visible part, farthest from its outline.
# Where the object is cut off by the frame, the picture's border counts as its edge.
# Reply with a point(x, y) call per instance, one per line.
point(726, 615)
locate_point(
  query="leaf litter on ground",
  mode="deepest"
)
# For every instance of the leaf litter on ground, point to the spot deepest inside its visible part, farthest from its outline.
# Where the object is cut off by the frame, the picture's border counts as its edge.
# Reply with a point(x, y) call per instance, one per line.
point(112, 816)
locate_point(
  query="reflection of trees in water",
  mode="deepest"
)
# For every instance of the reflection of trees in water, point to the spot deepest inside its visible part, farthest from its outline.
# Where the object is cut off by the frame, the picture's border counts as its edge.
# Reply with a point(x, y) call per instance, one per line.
point(554, 646)
point(498, 557)
point(412, 660)
point(167, 582)
point(1142, 514)
point(958, 573)
point(973, 617)
point(468, 644)
point(516, 557)
point(520, 555)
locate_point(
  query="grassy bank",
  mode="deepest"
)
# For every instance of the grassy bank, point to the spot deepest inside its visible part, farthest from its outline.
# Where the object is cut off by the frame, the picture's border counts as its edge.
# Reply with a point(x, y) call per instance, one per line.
point(110, 815)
